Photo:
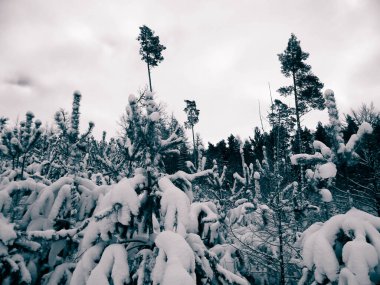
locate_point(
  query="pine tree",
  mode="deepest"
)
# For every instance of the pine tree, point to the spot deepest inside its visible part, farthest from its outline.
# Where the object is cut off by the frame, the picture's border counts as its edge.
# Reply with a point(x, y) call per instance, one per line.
point(150, 49)
point(350, 129)
point(306, 87)
point(234, 158)
point(282, 121)
point(192, 118)
point(321, 134)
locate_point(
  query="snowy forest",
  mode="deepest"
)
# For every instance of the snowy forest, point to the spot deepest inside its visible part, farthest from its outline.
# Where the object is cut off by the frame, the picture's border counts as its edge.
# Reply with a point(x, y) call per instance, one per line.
point(288, 205)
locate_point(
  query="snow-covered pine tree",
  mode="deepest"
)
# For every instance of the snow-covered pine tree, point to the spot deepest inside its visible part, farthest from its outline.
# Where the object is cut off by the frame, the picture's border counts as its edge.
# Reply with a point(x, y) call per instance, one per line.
point(345, 248)
point(18, 143)
point(142, 229)
point(326, 160)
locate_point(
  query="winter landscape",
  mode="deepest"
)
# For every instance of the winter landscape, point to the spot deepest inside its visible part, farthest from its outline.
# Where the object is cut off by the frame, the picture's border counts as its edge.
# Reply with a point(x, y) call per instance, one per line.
point(160, 199)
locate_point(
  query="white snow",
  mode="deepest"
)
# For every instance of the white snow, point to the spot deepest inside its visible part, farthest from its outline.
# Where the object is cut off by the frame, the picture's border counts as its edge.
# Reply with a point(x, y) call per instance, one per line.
point(360, 256)
point(364, 128)
point(175, 206)
point(304, 157)
point(325, 150)
point(123, 193)
point(154, 117)
point(327, 170)
point(175, 263)
point(114, 264)
point(7, 232)
point(86, 264)
point(326, 195)
point(196, 208)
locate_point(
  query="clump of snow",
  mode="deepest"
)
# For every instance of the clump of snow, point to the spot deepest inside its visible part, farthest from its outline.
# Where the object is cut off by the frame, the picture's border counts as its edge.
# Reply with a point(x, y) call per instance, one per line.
point(326, 195)
point(200, 249)
point(122, 194)
point(237, 215)
point(132, 99)
point(240, 201)
point(175, 263)
point(114, 263)
point(309, 174)
point(325, 150)
point(175, 206)
point(87, 263)
point(196, 208)
point(7, 232)
point(360, 256)
point(364, 128)
point(154, 117)
point(327, 170)
point(299, 158)
point(227, 266)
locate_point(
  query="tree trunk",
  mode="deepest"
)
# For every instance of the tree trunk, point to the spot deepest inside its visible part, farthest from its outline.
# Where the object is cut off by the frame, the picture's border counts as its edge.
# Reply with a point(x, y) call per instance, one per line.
point(23, 167)
point(281, 249)
point(376, 189)
point(299, 145)
point(150, 81)
point(195, 150)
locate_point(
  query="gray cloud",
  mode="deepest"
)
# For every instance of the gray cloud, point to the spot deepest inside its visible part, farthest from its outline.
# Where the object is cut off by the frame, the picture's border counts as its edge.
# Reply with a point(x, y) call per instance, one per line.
point(219, 53)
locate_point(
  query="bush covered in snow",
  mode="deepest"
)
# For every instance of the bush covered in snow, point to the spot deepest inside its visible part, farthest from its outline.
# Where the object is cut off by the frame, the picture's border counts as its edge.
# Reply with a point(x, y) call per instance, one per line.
point(346, 248)
point(74, 210)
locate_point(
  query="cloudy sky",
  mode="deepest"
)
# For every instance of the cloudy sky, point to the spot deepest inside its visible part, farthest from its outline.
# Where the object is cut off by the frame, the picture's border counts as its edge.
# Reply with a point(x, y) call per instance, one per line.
point(220, 53)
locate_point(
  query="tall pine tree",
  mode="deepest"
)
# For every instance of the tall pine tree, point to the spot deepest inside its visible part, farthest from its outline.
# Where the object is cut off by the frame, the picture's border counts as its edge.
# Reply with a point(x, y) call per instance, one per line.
point(150, 49)
point(305, 87)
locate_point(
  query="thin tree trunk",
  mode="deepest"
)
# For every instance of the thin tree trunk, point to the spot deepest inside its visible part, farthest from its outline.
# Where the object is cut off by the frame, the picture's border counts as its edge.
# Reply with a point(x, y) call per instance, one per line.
point(299, 145)
point(195, 150)
point(375, 189)
point(149, 206)
point(150, 81)
point(73, 203)
point(23, 166)
point(281, 249)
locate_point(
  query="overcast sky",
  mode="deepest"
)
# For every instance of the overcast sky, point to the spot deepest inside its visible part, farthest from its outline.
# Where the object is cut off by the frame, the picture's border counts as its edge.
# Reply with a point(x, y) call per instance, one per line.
point(220, 53)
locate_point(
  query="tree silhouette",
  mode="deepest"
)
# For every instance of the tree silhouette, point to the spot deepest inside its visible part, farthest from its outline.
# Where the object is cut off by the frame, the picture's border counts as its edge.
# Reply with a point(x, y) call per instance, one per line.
point(192, 119)
point(150, 49)
point(306, 87)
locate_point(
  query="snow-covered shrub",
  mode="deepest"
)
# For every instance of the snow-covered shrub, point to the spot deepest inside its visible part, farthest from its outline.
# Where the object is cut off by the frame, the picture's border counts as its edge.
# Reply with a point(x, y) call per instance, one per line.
point(325, 160)
point(17, 144)
point(344, 249)
point(76, 219)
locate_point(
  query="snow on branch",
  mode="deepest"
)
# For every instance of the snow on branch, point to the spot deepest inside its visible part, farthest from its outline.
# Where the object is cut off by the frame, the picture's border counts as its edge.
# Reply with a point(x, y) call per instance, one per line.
point(356, 233)
point(113, 264)
point(175, 206)
point(208, 211)
point(175, 263)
